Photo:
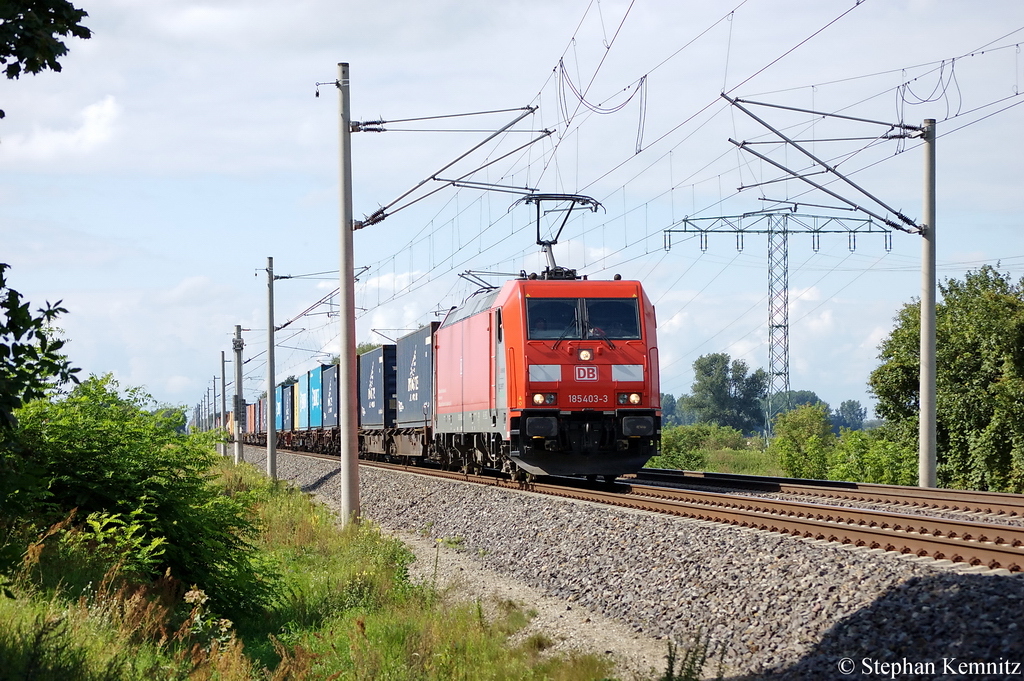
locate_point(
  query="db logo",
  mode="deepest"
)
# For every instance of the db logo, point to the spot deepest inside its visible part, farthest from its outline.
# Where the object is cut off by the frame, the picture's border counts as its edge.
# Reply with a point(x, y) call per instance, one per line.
point(586, 373)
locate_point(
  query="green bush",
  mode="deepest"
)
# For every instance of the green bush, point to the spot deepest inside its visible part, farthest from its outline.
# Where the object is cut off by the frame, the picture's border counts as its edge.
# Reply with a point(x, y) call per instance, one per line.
point(31, 366)
point(689, 447)
point(803, 441)
point(806, 448)
point(101, 451)
point(872, 456)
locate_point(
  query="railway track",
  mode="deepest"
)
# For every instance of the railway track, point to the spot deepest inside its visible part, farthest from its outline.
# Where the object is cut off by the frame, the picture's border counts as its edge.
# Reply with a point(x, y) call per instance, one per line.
point(973, 541)
point(990, 505)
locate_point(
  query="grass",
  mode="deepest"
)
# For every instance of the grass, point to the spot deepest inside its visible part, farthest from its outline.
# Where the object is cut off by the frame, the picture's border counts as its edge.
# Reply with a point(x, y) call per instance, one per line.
point(751, 461)
point(350, 609)
point(345, 609)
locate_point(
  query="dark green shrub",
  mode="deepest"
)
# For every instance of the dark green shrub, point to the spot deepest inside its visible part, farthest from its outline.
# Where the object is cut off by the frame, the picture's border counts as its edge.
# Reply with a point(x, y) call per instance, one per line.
point(100, 450)
point(873, 456)
point(687, 447)
point(803, 441)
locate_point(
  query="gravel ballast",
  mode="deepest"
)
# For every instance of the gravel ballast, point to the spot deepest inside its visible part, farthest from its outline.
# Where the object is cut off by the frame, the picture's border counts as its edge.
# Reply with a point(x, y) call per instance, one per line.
point(781, 608)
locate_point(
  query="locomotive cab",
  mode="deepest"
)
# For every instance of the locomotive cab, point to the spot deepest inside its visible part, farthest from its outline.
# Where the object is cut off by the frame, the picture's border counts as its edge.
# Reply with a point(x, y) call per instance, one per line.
point(589, 403)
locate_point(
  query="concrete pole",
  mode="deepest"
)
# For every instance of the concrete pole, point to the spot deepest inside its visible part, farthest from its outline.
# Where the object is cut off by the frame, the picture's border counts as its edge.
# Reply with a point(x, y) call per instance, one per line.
point(213, 408)
point(271, 406)
point(347, 388)
point(223, 403)
point(926, 420)
point(237, 344)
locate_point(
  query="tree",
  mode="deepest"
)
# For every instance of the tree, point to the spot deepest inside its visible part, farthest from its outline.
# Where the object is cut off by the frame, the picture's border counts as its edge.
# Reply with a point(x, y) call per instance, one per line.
point(668, 410)
point(849, 415)
point(30, 358)
point(803, 441)
point(723, 393)
point(980, 380)
point(677, 412)
point(798, 398)
point(791, 399)
point(29, 31)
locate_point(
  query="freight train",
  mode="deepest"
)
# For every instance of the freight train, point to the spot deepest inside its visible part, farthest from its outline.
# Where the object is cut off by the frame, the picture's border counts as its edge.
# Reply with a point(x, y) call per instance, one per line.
point(550, 374)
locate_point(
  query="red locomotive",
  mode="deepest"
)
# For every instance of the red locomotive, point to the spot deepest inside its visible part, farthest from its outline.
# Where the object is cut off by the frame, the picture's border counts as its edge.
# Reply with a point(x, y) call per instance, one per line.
point(552, 375)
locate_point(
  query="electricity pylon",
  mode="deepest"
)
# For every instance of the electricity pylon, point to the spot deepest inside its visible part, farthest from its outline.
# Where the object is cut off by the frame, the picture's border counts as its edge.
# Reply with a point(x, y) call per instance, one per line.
point(778, 226)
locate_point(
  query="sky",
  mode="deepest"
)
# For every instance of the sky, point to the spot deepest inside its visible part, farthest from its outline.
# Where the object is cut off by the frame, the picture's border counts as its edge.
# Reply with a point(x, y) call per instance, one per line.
point(147, 183)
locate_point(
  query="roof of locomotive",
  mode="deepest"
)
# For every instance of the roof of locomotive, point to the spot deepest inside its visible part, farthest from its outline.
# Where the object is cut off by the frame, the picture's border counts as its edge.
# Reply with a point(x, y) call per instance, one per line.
point(486, 299)
point(574, 288)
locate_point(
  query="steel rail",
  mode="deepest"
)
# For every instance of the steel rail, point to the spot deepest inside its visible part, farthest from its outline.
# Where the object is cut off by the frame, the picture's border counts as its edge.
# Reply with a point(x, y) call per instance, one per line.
point(968, 501)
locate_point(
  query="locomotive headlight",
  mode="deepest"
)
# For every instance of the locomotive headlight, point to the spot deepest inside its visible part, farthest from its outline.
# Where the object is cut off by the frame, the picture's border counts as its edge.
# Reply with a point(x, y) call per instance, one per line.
point(586, 355)
point(629, 398)
point(544, 398)
point(634, 398)
point(538, 398)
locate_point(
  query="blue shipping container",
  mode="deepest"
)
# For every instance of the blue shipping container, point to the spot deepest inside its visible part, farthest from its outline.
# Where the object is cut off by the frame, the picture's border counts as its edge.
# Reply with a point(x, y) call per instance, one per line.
point(377, 398)
point(316, 410)
point(302, 408)
point(330, 395)
point(287, 408)
point(278, 408)
point(415, 389)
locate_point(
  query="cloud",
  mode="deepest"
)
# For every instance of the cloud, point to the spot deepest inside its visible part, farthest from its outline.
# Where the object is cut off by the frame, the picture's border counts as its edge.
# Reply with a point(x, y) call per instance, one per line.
point(190, 290)
point(45, 144)
point(48, 245)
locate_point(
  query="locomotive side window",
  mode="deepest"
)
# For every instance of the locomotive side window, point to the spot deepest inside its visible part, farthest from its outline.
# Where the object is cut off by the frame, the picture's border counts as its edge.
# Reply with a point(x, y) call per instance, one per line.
point(614, 318)
point(553, 318)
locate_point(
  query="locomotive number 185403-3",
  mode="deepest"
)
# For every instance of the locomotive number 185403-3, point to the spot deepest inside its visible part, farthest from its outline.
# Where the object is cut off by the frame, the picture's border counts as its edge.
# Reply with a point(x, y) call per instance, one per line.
point(588, 399)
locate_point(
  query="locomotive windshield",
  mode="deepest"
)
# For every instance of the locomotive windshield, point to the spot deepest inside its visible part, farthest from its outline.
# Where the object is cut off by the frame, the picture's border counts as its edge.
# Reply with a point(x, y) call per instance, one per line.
point(583, 318)
point(615, 318)
point(553, 318)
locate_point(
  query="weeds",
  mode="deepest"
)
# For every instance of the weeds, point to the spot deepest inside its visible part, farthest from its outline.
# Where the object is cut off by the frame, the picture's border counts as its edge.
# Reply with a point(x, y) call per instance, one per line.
point(693, 661)
point(749, 461)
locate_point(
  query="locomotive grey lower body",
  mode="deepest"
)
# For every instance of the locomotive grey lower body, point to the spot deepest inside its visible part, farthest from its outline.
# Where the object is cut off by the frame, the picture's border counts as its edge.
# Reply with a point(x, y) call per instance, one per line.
point(584, 443)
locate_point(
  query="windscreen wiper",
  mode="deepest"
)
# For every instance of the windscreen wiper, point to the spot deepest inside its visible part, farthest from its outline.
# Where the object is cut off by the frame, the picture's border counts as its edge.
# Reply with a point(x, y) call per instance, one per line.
point(603, 337)
point(573, 324)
